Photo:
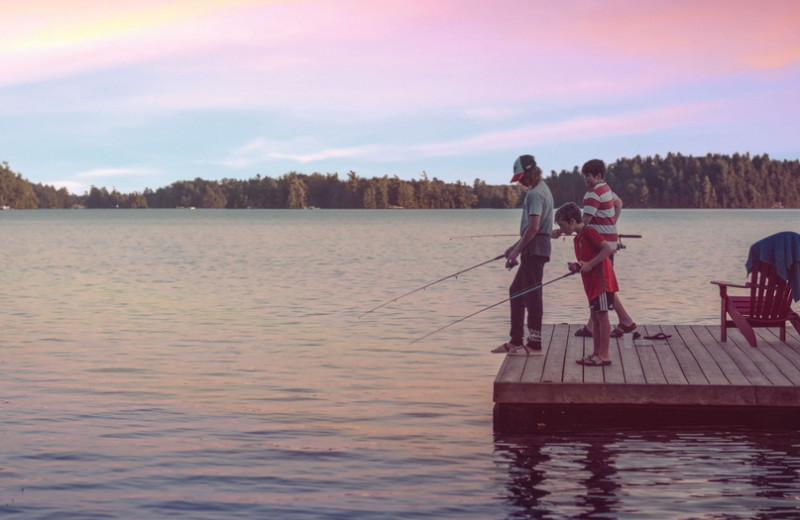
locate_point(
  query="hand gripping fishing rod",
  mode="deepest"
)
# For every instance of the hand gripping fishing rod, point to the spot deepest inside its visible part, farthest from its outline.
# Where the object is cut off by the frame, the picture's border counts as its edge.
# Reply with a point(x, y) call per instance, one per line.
point(454, 275)
point(517, 295)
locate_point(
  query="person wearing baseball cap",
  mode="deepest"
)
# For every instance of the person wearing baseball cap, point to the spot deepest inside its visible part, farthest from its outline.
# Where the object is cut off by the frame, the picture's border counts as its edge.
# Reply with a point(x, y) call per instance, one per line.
point(521, 165)
point(533, 250)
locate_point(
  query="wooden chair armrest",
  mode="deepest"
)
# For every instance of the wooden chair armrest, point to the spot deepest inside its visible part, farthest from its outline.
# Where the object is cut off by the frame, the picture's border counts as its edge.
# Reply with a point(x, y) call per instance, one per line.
point(731, 284)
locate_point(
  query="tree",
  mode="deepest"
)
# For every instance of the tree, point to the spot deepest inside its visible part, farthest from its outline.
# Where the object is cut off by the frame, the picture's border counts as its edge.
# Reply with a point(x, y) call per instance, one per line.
point(296, 192)
point(673, 181)
point(15, 192)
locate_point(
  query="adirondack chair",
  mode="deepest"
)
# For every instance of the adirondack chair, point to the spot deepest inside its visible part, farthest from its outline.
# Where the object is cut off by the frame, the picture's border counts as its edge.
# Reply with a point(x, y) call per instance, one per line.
point(770, 298)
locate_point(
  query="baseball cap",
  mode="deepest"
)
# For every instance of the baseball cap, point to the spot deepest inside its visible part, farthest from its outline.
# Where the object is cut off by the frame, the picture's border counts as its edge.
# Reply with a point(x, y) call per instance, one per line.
point(521, 165)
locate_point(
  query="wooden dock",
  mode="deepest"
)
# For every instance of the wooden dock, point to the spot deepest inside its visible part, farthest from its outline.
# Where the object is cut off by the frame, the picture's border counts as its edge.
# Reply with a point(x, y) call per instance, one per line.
point(691, 375)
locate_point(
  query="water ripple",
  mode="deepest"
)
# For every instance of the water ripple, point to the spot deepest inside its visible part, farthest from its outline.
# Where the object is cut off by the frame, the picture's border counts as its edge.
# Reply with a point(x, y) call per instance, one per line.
point(163, 364)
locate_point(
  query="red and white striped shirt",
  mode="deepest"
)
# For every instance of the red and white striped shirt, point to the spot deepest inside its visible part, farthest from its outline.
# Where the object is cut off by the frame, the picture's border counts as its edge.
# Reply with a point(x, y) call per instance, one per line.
point(599, 203)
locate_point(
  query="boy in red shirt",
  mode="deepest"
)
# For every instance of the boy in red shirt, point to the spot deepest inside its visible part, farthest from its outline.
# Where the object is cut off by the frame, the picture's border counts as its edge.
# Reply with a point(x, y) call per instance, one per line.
point(599, 281)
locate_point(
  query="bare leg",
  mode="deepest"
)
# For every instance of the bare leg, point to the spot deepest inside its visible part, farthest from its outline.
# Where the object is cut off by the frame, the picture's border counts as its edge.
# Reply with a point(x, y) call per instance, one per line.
point(601, 334)
point(622, 315)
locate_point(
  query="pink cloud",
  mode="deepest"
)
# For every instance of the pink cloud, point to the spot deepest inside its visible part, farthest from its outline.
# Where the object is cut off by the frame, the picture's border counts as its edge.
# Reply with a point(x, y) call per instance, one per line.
point(544, 133)
point(41, 40)
point(695, 36)
point(574, 129)
point(359, 53)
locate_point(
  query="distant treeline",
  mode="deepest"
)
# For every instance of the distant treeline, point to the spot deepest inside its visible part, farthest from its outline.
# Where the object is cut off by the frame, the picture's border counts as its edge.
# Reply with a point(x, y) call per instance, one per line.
point(674, 181)
point(18, 193)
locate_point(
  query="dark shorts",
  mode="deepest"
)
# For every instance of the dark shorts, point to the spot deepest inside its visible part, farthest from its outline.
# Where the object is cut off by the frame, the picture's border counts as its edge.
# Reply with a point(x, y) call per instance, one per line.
point(603, 303)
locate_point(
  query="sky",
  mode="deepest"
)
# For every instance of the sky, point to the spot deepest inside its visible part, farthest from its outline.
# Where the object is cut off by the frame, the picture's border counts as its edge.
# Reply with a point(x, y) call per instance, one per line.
point(139, 94)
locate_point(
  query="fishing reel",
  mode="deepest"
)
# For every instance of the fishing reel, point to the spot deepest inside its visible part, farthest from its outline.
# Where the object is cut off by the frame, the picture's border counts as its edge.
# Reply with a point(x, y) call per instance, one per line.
point(574, 267)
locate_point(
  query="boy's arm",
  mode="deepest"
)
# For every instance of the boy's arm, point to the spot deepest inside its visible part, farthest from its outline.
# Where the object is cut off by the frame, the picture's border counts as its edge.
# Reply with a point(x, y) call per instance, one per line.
point(617, 206)
point(605, 252)
point(588, 209)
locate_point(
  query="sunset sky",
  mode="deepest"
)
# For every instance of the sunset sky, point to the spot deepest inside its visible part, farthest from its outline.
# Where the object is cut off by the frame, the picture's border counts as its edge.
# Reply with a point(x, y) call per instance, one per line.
point(134, 94)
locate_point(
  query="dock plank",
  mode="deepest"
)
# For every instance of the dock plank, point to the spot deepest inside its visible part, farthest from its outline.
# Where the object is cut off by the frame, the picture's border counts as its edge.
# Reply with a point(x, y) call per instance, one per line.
point(511, 369)
point(686, 360)
point(577, 347)
point(753, 362)
point(650, 366)
point(535, 364)
point(784, 357)
point(615, 373)
point(554, 356)
point(632, 370)
point(790, 350)
point(705, 359)
point(692, 368)
point(670, 367)
point(722, 356)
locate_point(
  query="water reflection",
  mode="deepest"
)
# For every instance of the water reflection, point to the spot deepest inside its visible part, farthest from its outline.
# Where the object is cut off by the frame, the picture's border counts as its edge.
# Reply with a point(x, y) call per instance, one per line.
point(640, 474)
point(600, 483)
point(538, 464)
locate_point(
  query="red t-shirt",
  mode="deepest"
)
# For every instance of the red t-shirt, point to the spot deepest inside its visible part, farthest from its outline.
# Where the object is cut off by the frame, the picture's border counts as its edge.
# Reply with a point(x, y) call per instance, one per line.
point(600, 279)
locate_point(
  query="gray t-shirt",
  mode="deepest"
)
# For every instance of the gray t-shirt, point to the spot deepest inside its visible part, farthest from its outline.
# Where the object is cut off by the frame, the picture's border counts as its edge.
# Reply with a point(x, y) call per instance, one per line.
point(538, 201)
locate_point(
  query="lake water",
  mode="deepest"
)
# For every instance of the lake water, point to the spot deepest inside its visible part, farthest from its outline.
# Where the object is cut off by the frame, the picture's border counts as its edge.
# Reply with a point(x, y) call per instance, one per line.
point(213, 364)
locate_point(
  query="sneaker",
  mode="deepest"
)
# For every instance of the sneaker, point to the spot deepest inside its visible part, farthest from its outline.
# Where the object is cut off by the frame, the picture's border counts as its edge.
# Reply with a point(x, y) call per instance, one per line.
point(534, 342)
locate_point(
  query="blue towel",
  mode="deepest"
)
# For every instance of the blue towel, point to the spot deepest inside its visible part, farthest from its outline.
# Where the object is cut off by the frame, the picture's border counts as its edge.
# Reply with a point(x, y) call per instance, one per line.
point(783, 251)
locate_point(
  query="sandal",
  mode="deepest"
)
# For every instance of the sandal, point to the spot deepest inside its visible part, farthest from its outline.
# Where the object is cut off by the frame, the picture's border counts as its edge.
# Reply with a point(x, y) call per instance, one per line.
point(526, 350)
point(660, 335)
point(621, 329)
point(583, 332)
point(507, 348)
point(593, 361)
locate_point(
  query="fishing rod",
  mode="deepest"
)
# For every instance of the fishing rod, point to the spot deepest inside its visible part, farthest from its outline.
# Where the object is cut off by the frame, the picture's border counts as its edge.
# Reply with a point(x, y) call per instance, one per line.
point(454, 275)
point(620, 245)
point(517, 295)
point(483, 236)
point(620, 235)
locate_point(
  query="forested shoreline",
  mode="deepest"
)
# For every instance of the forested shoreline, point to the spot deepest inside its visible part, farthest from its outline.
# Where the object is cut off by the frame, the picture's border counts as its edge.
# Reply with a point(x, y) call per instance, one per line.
point(674, 181)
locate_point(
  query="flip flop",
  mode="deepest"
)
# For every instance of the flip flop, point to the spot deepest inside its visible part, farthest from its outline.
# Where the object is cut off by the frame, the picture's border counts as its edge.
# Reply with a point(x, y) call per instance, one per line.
point(593, 361)
point(507, 348)
point(621, 329)
point(526, 350)
point(660, 335)
point(583, 332)
point(617, 334)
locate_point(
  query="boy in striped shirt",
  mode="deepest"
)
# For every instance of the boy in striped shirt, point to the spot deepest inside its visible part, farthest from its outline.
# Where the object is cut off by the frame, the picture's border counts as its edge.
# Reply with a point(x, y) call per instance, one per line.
point(601, 209)
point(598, 203)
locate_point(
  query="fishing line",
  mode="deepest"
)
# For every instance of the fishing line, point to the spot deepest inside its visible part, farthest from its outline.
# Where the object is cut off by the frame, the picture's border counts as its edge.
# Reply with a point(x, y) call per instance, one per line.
point(517, 295)
point(454, 275)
